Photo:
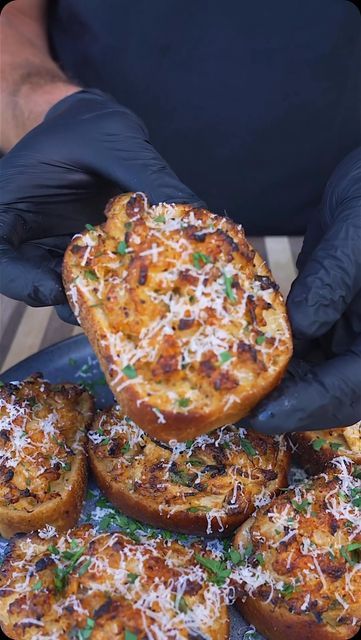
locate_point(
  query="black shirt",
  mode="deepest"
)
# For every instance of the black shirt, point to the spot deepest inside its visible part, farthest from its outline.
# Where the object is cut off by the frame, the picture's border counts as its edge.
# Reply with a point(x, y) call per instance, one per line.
point(252, 103)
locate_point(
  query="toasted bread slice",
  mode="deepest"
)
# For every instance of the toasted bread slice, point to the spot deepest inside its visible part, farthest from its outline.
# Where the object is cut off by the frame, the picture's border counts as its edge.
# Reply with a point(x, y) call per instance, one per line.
point(315, 449)
point(188, 325)
point(102, 586)
point(207, 486)
point(43, 467)
point(302, 574)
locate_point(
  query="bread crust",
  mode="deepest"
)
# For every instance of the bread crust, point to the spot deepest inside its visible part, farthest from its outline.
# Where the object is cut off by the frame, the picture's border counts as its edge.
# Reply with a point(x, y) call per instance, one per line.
point(322, 607)
point(315, 449)
point(105, 584)
point(276, 625)
point(207, 486)
point(147, 404)
point(61, 513)
point(62, 508)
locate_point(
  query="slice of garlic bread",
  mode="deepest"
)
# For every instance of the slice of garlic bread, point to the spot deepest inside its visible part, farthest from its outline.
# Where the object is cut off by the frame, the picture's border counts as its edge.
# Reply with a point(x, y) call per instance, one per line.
point(207, 486)
point(42, 455)
point(301, 578)
point(187, 323)
point(314, 449)
point(89, 585)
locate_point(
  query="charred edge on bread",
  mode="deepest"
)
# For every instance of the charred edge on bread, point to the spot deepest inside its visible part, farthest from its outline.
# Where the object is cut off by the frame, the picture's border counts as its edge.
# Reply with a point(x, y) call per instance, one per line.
point(135, 205)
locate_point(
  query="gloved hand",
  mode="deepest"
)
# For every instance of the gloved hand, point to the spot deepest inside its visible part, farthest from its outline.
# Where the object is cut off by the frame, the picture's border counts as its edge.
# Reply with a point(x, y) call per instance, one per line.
point(59, 177)
point(324, 305)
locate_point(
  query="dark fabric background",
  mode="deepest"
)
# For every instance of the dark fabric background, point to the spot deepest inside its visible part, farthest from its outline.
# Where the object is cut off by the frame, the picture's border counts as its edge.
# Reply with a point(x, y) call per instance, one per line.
point(252, 103)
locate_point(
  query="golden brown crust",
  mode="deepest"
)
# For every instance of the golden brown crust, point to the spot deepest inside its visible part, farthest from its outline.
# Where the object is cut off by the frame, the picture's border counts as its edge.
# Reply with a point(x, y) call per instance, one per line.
point(315, 449)
point(277, 625)
point(85, 584)
point(43, 467)
point(301, 577)
point(207, 486)
point(148, 285)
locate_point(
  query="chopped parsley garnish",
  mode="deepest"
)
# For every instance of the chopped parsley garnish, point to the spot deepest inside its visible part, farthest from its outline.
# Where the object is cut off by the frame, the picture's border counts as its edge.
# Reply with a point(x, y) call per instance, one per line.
point(53, 550)
point(85, 632)
point(218, 571)
point(335, 445)
point(61, 573)
point(356, 496)
point(131, 577)
point(301, 506)
point(260, 339)
point(287, 590)
point(37, 586)
point(198, 509)
point(199, 257)
point(189, 443)
point(84, 567)
point(122, 248)
point(90, 274)
point(318, 443)
point(183, 402)
point(228, 281)
point(129, 635)
point(182, 477)
point(196, 462)
point(260, 559)
point(159, 219)
point(125, 448)
point(182, 605)
point(357, 471)
point(247, 447)
point(348, 552)
point(89, 226)
point(129, 371)
point(235, 556)
point(225, 356)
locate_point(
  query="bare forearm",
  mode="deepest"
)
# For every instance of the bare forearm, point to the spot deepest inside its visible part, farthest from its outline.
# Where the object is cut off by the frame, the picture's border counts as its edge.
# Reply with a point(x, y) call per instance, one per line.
point(31, 82)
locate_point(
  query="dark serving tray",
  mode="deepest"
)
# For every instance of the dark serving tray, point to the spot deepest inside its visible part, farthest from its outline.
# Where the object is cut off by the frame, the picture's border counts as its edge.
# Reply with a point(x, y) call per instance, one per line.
point(73, 360)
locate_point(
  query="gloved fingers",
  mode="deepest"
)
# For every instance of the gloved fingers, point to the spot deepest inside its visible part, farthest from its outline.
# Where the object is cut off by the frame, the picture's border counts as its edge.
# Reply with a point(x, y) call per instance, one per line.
point(312, 397)
point(135, 165)
point(330, 279)
point(29, 279)
point(65, 314)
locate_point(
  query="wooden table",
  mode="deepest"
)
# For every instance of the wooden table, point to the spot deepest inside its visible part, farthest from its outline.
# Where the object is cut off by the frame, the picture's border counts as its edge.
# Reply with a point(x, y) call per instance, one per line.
point(25, 330)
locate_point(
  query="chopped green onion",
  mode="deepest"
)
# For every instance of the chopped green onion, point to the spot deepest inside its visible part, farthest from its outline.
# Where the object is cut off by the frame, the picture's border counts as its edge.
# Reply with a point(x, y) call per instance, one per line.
point(90, 227)
point(159, 219)
point(260, 339)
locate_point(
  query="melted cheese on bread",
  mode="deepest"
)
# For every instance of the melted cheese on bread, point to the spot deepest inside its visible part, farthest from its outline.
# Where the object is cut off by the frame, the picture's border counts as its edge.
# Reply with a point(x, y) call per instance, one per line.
point(89, 585)
point(206, 486)
point(189, 327)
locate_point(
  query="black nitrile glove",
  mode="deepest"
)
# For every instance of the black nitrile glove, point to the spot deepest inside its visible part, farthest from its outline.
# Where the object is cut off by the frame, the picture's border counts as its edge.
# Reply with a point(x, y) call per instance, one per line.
point(59, 177)
point(324, 307)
